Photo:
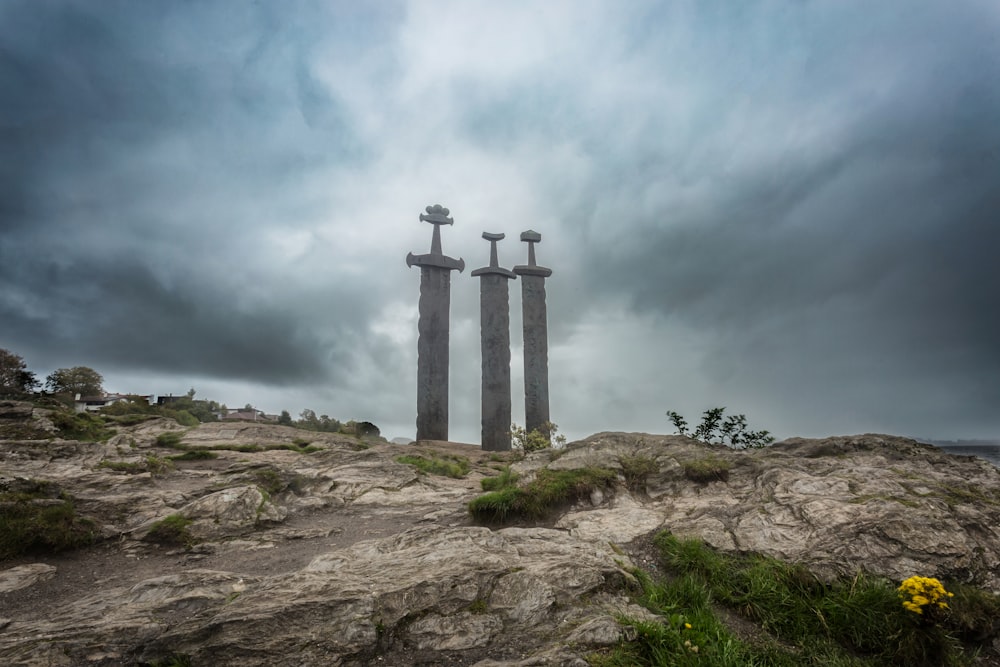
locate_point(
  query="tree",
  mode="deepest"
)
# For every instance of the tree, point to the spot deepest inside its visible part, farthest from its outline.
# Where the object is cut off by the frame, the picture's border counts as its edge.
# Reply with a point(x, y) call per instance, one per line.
point(14, 373)
point(77, 380)
point(732, 430)
point(285, 418)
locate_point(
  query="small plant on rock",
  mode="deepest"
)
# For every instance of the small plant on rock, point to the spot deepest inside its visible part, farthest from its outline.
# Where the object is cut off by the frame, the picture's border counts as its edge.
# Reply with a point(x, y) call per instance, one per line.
point(172, 529)
point(537, 439)
point(730, 430)
point(708, 469)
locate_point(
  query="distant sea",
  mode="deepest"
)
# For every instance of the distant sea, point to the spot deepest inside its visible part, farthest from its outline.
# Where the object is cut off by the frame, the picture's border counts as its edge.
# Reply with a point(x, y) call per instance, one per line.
point(990, 453)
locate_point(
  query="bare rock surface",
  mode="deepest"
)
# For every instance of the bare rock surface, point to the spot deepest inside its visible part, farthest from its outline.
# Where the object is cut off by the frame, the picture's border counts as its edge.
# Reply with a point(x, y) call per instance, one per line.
point(341, 555)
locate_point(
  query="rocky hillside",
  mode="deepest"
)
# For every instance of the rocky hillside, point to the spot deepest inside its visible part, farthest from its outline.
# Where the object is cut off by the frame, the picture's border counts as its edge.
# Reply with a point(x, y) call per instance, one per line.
point(242, 544)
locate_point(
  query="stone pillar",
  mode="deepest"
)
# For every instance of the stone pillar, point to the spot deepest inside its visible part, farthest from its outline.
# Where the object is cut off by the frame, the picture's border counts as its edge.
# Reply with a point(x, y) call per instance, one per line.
point(432, 329)
point(536, 337)
point(494, 329)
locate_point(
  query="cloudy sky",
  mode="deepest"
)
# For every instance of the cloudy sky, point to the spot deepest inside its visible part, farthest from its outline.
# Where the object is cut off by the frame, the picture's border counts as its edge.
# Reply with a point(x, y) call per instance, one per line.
point(791, 209)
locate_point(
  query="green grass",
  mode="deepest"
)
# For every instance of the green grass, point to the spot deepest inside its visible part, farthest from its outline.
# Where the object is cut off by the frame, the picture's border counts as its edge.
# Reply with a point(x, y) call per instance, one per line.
point(549, 490)
point(172, 529)
point(36, 518)
point(801, 620)
point(437, 464)
point(82, 426)
point(708, 469)
point(636, 468)
point(151, 464)
point(170, 440)
point(506, 478)
point(194, 455)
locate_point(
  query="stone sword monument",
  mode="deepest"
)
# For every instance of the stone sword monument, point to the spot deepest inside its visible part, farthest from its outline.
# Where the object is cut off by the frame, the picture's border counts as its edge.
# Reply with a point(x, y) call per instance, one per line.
point(536, 338)
point(494, 330)
point(432, 329)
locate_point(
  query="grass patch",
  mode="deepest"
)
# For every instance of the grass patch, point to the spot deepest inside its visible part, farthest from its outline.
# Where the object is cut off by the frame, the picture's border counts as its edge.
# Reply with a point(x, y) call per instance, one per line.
point(708, 469)
point(444, 464)
point(170, 440)
point(129, 419)
point(506, 478)
point(549, 490)
point(151, 464)
point(172, 529)
point(854, 621)
point(36, 518)
point(82, 426)
point(194, 455)
point(636, 468)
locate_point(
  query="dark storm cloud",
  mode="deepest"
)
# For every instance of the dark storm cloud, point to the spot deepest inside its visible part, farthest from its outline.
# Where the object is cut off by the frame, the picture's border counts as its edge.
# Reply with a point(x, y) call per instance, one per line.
point(870, 269)
point(135, 180)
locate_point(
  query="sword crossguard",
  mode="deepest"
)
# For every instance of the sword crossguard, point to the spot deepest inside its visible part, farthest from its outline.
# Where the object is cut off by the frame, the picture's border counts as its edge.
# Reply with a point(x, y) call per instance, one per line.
point(437, 215)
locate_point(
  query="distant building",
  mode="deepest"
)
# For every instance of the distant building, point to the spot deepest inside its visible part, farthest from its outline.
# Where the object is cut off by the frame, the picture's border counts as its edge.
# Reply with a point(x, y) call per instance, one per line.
point(95, 403)
point(252, 415)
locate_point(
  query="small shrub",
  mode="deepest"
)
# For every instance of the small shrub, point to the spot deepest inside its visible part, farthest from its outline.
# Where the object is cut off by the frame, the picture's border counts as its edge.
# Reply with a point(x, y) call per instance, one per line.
point(535, 440)
point(730, 430)
point(446, 465)
point(708, 469)
point(269, 480)
point(172, 529)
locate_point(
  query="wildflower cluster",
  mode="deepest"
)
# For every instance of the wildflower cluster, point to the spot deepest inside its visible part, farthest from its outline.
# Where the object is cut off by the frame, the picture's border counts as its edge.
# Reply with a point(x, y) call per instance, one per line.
point(919, 593)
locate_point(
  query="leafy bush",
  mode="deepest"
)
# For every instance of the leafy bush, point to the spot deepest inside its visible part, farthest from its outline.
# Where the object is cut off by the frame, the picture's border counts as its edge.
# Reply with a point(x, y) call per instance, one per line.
point(707, 469)
point(444, 464)
point(547, 491)
point(35, 517)
point(535, 440)
point(731, 430)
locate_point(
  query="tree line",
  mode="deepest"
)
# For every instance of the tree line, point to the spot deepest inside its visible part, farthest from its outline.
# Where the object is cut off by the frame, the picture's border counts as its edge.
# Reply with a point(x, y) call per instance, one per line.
point(66, 383)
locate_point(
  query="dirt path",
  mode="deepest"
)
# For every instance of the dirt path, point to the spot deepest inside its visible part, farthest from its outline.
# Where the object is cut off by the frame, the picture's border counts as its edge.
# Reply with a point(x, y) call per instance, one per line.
point(272, 549)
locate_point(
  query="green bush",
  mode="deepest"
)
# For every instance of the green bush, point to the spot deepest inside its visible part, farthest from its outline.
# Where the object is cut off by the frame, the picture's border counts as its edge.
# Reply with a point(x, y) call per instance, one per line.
point(437, 464)
point(35, 517)
point(549, 490)
point(730, 430)
point(536, 439)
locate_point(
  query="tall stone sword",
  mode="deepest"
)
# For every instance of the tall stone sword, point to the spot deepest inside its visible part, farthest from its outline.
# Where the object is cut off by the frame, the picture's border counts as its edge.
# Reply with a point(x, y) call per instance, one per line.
point(536, 338)
point(494, 331)
point(432, 329)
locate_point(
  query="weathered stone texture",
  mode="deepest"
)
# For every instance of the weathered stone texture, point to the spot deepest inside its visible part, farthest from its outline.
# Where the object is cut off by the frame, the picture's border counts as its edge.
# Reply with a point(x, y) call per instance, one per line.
point(432, 354)
point(495, 349)
point(536, 352)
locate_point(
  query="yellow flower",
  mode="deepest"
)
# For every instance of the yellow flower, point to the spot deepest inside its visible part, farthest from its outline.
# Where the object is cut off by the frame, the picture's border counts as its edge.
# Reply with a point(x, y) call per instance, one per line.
point(687, 626)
